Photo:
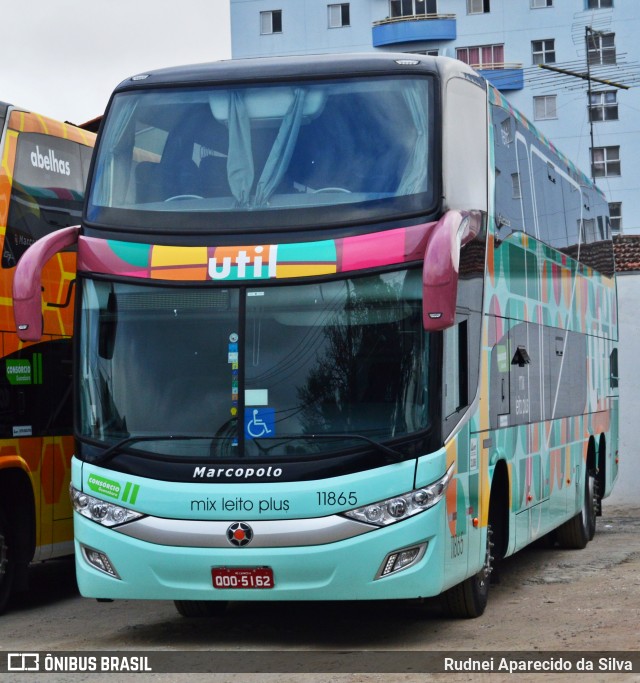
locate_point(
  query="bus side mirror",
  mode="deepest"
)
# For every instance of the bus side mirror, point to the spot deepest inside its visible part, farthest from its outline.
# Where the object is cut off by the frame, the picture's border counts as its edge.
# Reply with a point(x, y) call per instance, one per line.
point(440, 269)
point(27, 281)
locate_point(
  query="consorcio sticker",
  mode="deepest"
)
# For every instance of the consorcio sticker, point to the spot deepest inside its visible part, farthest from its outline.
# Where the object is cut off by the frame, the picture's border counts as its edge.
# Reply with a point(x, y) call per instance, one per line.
point(108, 487)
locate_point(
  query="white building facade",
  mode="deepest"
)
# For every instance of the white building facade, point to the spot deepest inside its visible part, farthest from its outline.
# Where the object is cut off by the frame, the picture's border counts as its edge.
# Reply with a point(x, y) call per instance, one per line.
point(507, 41)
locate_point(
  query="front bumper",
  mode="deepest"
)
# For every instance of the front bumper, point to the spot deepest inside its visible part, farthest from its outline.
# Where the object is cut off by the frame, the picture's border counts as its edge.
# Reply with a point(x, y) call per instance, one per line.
point(315, 567)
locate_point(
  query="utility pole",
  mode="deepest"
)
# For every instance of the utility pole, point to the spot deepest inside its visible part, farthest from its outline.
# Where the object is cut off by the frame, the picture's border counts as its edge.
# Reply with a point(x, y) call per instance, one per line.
point(588, 33)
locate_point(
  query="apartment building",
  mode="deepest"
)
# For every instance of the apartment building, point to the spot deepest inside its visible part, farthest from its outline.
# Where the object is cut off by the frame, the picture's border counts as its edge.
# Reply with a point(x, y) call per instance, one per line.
point(529, 49)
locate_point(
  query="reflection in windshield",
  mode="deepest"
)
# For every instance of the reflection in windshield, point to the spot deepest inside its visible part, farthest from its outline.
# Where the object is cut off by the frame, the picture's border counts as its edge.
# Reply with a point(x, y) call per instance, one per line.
point(347, 357)
point(242, 149)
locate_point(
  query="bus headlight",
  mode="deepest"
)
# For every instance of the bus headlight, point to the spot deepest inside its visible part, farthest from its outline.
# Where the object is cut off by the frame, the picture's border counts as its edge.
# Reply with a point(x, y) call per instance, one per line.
point(100, 511)
point(401, 507)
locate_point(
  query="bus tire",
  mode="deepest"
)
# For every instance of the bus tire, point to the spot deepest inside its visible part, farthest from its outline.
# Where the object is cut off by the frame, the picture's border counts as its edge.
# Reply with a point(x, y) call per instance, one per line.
point(201, 608)
point(579, 530)
point(468, 600)
point(7, 564)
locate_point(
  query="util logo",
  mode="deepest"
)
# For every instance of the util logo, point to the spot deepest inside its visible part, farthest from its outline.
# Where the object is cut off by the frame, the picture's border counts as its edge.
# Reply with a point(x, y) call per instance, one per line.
point(249, 262)
point(49, 162)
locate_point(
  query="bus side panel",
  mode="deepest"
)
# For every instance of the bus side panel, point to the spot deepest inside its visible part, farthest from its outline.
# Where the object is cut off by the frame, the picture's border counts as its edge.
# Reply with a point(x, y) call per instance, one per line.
point(552, 327)
point(544, 413)
point(35, 379)
point(457, 537)
point(466, 525)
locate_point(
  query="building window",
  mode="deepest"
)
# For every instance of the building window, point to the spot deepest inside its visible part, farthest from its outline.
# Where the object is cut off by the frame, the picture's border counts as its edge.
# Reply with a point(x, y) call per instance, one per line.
point(411, 8)
point(588, 230)
point(605, 161)
point(615, 214)
point(339, 15)
point(543, 51)
point(482, 56)
point(603, 106)
point(541, 3)
point(599, 4)
point(601, 48)
point(544, 107)
point(478, 6)
point(271, 22)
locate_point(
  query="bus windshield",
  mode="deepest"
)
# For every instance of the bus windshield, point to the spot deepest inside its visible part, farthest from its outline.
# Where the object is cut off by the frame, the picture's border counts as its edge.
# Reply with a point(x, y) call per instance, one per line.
point(254, 372)
point(294, 154)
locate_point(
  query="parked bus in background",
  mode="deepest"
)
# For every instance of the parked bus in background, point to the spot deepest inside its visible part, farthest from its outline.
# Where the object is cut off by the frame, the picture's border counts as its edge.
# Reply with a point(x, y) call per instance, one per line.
point(42, 178)
point(346, 330)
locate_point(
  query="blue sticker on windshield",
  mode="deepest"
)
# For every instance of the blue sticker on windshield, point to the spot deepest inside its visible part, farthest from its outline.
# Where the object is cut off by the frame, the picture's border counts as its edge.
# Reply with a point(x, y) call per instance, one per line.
point(259, 422)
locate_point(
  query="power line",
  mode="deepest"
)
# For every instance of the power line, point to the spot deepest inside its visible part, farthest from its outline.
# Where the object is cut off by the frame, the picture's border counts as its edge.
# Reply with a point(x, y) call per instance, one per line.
point(624, 75)
point(584, 76)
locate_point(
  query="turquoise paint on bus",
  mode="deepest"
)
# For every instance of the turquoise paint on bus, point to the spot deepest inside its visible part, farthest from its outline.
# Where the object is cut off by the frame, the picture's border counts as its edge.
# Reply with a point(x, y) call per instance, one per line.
point(335, 343)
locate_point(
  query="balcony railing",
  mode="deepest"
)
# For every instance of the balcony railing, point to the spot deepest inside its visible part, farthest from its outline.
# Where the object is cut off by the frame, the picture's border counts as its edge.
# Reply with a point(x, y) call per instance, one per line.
point(414, 28)
point(414, 17)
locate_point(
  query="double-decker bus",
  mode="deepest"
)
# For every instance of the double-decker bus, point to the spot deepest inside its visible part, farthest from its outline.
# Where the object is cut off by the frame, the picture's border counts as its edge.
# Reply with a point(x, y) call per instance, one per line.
point(346, 329)
point(42, 177)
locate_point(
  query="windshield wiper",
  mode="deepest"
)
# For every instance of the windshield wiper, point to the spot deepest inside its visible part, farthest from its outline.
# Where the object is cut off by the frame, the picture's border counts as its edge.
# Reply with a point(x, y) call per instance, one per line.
point(391, 454)
point(112, 451)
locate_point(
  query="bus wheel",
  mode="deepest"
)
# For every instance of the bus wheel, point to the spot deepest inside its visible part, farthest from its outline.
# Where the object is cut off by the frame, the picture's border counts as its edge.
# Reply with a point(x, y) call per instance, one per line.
point(579, 530)
point(201, 608)
point(7, 568)
point(468, 599)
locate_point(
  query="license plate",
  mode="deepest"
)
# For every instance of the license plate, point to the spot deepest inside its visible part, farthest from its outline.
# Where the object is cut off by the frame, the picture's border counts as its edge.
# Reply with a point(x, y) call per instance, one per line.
point(242, 577)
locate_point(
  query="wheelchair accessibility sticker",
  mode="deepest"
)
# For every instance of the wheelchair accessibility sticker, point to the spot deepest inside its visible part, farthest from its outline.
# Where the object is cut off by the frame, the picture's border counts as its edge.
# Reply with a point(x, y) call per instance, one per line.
point(259, 422)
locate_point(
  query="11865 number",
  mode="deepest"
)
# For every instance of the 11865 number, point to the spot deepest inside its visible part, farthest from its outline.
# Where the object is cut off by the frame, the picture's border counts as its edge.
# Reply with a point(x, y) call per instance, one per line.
point(332, 498)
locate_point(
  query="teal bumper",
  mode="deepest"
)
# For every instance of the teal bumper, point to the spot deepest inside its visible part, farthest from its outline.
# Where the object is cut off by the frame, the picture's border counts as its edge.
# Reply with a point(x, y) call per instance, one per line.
point(342, 570)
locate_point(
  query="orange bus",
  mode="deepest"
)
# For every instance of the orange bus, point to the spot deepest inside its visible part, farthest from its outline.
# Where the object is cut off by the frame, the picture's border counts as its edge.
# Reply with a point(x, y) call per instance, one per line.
point(42, 179)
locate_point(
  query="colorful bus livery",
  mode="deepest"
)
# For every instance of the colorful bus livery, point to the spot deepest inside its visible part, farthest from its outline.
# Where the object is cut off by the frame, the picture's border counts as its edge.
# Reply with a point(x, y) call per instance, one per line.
point(332, 308)
point(42, 177)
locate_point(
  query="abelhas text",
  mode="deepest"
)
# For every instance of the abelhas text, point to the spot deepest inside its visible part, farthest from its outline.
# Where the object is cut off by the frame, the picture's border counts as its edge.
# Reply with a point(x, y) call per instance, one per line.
point(49, 162)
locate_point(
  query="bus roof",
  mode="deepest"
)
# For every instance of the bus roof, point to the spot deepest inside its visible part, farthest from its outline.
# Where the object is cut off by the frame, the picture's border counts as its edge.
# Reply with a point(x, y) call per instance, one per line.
point(304, 66)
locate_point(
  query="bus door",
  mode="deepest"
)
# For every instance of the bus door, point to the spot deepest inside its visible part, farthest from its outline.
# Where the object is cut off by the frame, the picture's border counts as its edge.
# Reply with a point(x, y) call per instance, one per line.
point(526, 361)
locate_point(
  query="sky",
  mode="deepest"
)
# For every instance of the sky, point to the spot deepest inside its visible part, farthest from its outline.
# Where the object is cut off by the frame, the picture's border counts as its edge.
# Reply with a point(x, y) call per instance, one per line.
point(62, 58)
